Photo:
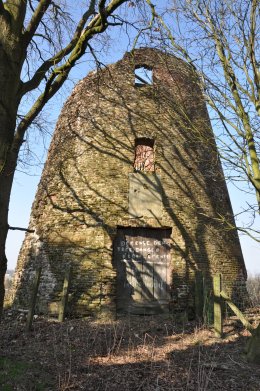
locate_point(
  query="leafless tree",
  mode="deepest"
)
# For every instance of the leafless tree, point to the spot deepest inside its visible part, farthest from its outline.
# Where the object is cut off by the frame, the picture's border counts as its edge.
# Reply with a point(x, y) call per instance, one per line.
point(221, 41)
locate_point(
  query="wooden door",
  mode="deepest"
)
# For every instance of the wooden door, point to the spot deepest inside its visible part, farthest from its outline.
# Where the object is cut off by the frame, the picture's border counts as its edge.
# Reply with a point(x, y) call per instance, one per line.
point(142, 258)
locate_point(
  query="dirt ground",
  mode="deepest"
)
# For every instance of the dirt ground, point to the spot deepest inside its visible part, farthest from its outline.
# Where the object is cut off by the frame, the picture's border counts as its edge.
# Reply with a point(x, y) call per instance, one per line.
point(134, 353)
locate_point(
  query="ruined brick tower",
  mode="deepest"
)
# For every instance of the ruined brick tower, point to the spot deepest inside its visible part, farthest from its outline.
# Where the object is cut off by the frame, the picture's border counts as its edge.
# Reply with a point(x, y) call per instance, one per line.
point(132, 195)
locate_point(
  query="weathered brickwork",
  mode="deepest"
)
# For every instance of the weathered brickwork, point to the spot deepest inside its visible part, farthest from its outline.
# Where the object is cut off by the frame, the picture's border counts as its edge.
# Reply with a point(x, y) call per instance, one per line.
point(83, 195)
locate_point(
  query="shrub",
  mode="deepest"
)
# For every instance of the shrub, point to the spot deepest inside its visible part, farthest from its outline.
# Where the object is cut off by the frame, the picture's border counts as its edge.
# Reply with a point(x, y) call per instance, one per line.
point(253, 287)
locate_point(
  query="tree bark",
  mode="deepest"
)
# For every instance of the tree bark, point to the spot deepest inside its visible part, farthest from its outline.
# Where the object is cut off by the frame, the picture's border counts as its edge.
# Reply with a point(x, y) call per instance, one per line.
point(10, 65)
point(9, 157)
point(6, 180)
point(4, 202)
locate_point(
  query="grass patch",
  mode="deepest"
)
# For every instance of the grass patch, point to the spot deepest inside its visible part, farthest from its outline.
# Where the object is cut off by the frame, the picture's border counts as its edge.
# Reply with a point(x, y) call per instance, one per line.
point(14, 372)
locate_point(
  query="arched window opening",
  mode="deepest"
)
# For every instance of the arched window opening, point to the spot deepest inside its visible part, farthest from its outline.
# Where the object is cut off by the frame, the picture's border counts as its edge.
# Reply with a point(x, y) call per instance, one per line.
point(143, 76)
point(144, 154)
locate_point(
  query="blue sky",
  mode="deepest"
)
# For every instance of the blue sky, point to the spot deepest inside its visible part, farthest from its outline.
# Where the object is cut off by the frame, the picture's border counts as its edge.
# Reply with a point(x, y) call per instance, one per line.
point(25, 184)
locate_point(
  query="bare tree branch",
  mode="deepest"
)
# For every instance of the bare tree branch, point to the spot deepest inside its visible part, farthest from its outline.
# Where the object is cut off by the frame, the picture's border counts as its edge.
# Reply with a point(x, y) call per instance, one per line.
point(35, 20)
point(252, 51)
point(59, 75)
point(223, 26)
point(43, 69)
point(21, 229)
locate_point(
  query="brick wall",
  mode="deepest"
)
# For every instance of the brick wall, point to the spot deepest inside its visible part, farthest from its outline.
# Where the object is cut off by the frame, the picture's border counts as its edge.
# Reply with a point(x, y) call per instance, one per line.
point(83, 195)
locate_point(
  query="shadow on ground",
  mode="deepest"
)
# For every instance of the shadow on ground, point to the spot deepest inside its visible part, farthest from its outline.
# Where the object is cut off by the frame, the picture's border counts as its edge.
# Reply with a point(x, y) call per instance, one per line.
point(137, 353)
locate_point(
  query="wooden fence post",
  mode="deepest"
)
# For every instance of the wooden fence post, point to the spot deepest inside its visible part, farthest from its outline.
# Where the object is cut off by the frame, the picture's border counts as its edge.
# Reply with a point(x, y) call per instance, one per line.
point(64, 297)
point(33, 299)
point(199, 294)
point(237, 312)
point(218, 322)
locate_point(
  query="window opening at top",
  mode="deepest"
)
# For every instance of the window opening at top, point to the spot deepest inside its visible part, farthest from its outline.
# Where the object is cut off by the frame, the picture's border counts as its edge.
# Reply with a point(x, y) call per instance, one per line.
point(143, 76)
point(144, 154)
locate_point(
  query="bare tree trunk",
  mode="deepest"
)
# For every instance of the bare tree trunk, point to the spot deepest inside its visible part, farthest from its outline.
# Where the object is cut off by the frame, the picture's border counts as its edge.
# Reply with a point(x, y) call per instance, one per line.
point(3, 264)
point(9, 86)
point(6, 179)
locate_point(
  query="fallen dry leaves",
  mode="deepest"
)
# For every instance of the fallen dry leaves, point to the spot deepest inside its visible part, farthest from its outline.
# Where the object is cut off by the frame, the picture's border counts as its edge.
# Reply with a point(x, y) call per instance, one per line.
point(129, 354)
